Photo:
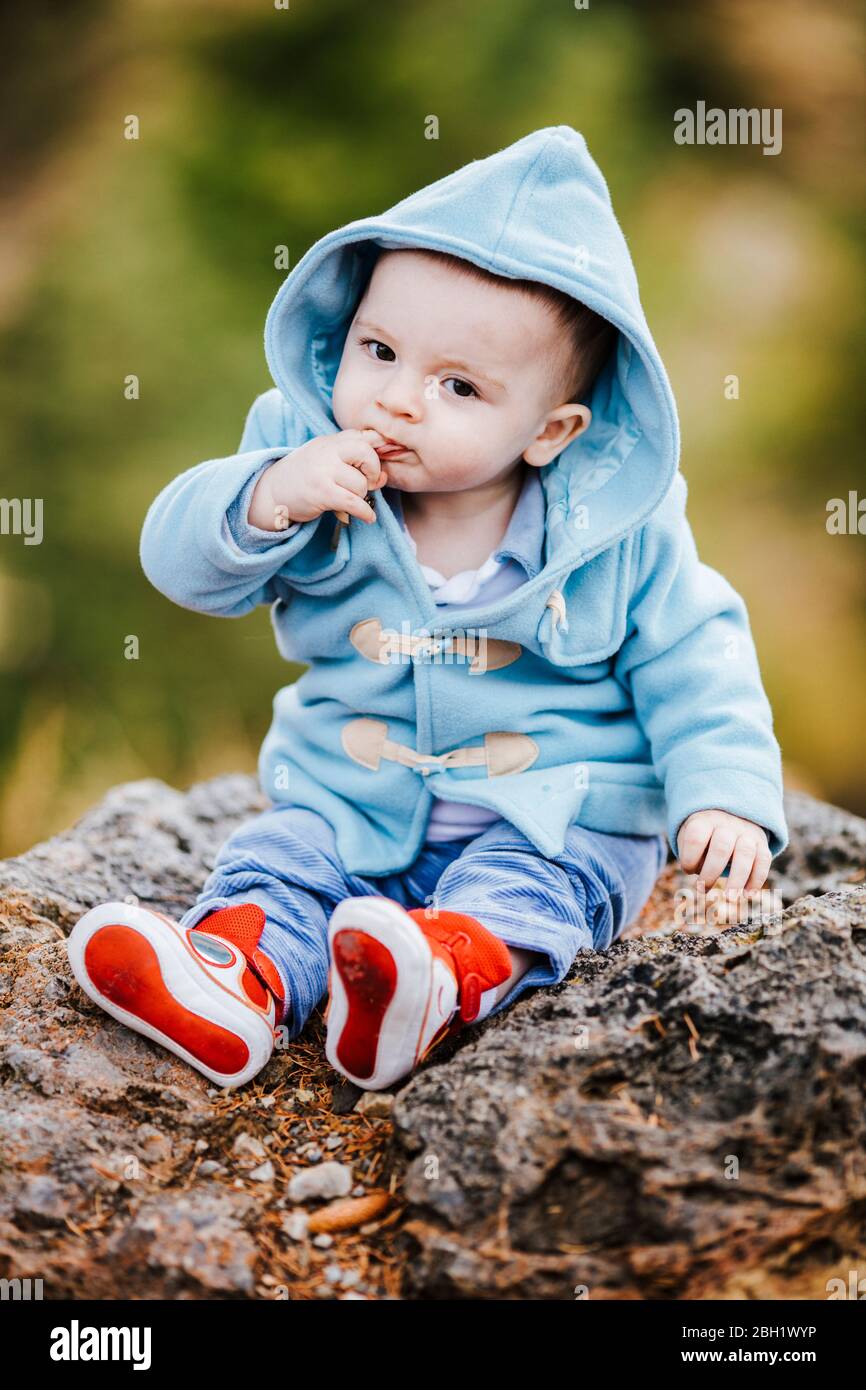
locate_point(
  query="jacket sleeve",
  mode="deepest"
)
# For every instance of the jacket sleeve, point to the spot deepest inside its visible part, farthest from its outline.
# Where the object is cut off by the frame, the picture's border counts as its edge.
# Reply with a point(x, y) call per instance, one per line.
point(691, 666)
point(197, 546)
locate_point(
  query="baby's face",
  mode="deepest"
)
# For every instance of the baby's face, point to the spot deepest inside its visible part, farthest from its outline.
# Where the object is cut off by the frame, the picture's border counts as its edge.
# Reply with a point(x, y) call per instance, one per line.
point(460, 372)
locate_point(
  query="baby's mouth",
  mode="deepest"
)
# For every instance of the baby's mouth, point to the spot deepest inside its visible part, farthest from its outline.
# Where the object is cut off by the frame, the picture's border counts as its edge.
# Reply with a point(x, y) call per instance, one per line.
point(392, 450)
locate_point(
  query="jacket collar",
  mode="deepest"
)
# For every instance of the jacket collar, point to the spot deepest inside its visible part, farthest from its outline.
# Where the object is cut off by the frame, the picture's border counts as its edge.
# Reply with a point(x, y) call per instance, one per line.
point(524, 537)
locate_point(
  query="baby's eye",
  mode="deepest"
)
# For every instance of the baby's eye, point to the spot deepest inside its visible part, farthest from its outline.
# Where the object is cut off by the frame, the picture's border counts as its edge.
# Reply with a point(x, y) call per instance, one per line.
point(375, 344)
point(468, 390)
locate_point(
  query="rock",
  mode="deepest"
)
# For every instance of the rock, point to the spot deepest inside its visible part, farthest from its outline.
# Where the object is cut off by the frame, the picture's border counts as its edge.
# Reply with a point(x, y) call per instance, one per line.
point(144, 838)
point(327, 1179)
point(376, 1105)
point(295, 1225)
point(706, 1137)
point(40, 1200)
point(682, 1117)
point(189, 1239)
point(156, 1145)
point(78, 1089)
point(209, 1167)
point(827, 852)
point(249, 1147)
point(264, 1173)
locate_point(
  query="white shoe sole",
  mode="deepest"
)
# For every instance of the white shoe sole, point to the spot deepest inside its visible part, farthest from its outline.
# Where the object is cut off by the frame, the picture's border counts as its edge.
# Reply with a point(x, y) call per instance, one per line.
point(404, 1017)
point(186, 982)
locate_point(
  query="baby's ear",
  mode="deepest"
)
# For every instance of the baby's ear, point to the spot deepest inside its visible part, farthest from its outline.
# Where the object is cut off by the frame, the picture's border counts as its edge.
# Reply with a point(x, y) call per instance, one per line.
point(582, 419)
point(561, 426)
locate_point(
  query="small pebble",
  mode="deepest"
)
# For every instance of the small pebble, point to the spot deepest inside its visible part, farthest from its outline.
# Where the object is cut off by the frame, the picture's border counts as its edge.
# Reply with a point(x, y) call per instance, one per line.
point(209, 1167)
point(333, 1141)
point(264, 1172)
point(376, 1105)
point(323, 1240)
point(359, 1190)
point(201, 1146)
point(351, 1278)
point(333, 1274)
point(295, 1225)
point(248, 1146)
point(327, 1179)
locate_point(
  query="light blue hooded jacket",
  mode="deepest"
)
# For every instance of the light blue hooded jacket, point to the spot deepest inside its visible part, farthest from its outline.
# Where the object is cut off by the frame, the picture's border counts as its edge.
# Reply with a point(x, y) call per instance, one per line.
point(619, 688)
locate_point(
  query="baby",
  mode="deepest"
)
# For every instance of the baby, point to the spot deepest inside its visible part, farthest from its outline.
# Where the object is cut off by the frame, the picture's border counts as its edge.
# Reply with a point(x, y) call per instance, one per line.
point(462, 502)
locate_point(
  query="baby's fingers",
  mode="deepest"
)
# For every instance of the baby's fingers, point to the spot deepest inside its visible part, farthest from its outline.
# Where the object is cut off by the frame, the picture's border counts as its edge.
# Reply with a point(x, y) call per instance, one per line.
point(718, 854)
point(351, 503)
point(691, 845)
point(361, 455)
point(741, 864)
point(763, 860)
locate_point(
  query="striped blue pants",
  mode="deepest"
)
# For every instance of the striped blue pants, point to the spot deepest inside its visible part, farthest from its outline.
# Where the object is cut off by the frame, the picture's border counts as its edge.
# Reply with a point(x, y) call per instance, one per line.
point(286, 860)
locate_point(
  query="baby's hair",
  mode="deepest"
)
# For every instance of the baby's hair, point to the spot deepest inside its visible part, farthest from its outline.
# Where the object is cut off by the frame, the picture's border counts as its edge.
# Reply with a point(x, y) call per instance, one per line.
point(593, 338)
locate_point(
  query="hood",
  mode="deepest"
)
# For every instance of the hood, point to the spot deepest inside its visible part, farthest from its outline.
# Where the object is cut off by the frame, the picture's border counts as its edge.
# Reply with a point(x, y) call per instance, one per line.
point(538, 209)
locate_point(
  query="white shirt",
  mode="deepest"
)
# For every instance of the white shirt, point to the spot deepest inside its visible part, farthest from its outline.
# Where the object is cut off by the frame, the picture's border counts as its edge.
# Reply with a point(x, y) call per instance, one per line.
point(455, 820)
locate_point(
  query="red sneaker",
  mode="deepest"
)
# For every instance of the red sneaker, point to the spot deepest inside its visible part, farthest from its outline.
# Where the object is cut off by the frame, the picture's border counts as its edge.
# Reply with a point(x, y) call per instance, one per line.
point(400, 983)
point(207, 993)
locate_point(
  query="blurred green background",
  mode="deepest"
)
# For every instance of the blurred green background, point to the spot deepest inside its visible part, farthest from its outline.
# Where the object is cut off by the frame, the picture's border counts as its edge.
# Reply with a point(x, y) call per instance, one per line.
point(262, 126)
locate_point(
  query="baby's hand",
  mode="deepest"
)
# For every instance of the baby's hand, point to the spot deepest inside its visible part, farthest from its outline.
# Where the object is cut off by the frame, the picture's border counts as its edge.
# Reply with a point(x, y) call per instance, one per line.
point(333, 472)
point(724, 834)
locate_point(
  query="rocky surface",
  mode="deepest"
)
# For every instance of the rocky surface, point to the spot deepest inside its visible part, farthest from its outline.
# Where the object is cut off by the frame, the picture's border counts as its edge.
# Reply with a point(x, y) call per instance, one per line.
point(681, 1117)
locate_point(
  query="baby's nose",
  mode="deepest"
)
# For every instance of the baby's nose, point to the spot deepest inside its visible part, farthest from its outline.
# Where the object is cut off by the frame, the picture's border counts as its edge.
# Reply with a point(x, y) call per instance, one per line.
point(402, 398)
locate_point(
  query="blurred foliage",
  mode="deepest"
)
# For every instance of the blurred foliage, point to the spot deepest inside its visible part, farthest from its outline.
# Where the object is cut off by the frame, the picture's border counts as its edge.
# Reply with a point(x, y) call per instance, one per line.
point(262, 127)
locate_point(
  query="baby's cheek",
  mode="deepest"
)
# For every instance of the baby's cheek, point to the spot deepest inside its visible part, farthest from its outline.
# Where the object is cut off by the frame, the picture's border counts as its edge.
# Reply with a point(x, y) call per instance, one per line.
point(343, 402)
point(463, 450)
point(336, 401)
